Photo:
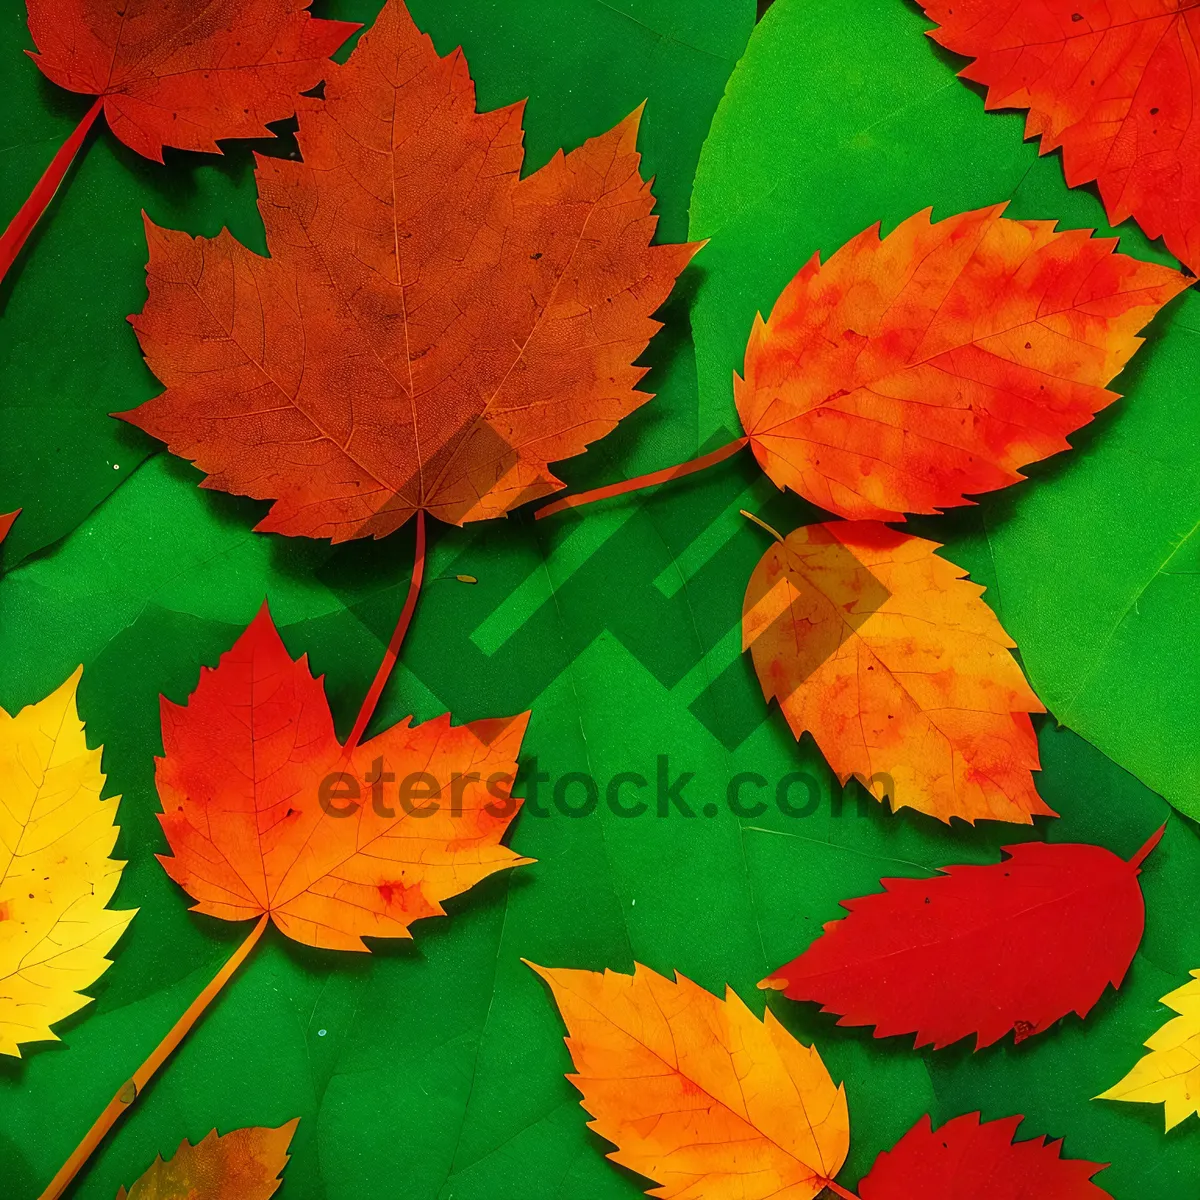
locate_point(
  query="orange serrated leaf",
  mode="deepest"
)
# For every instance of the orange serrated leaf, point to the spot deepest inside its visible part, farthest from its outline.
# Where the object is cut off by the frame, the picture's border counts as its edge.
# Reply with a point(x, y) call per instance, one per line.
point(431, 331)
point(174, 73)
point(886, 654)
point(905, 374)
point(266, 813)
point(696, 1092)
point(244, 1164)
point(1113, 83)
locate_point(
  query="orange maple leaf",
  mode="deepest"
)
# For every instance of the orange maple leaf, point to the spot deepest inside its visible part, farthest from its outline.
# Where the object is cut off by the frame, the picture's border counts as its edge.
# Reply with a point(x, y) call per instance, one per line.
point(178, 73)
point(697, 1093)
point(886, 654)
point(267, 813)
point(1114, 83)
point(904, 373)
point(431, 330)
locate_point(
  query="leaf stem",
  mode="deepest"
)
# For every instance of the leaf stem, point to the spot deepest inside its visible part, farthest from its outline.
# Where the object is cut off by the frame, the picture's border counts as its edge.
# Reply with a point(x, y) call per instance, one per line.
point(21, 226)
point(136, 1084)
point(838, 1190)
point(644, 481)
point(393, 651)
point(762, 524)
point(1144, 853)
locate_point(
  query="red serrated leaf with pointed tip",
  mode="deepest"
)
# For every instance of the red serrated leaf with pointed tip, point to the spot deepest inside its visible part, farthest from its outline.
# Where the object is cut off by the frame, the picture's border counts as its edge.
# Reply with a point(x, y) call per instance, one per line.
point(968, 1159)
point(983, 950)
point(182, 73)
point(267, 813)
point(1113, 82)
point(431, 331)
point(6, 523)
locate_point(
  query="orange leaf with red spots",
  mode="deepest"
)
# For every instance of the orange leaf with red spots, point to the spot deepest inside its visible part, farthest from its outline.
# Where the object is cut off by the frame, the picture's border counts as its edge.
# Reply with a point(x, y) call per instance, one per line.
point(266, 812)
point(1113, 83)
point(431, 331)
point(905, 374)
point(886, 654)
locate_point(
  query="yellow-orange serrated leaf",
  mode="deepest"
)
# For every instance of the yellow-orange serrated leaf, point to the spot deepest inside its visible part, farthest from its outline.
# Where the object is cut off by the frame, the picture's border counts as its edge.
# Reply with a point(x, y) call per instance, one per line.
point(696, 1092)
point(888, 656)
point(1170, 1074)
point(56, 877)
point(243, 1165)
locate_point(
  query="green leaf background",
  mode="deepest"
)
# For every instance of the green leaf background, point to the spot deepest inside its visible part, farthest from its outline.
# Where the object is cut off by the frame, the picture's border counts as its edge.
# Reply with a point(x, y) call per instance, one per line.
point(435, 1069)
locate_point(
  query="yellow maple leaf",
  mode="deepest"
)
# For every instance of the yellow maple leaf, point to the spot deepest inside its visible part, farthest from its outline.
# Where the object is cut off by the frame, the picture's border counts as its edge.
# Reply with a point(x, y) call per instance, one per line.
point(1170, 1073)
point(56, 877)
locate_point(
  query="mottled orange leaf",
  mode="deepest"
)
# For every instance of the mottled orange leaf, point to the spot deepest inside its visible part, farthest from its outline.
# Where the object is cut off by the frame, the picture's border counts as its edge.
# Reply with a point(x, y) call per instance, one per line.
point(242, 1165)
point(431, 330)
point(1114, 83)
point(905, 374)
point(267, 813)
point(886, 654)
point(697, 1093)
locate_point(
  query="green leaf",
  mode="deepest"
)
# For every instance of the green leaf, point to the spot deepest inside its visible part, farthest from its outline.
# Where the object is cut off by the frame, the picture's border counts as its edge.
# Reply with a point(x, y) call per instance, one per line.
point(833, 122)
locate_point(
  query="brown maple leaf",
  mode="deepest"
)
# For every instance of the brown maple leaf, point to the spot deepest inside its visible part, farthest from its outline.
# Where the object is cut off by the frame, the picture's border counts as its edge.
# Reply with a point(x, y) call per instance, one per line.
point(430, 330)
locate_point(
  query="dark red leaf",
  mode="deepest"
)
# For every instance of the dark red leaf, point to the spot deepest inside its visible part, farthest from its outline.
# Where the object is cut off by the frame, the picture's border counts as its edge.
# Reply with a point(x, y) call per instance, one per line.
point(1012, 946)
point(971, 1160)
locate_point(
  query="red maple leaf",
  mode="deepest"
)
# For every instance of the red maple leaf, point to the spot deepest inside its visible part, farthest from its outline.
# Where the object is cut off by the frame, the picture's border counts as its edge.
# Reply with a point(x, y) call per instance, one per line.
point(184, 73)
point(1008, 947)
point(969, 1159)
point(1111, 82)
point(431, 331)
point(6, 523)
point(268, 813)
point(177, 73)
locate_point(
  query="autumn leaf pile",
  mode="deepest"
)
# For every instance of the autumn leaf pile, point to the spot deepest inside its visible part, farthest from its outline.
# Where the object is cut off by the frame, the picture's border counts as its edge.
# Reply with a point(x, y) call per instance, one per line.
point(431, 329)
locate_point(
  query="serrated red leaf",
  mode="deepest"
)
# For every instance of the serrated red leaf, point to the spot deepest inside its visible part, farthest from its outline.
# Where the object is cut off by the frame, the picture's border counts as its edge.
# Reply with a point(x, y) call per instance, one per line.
point(181, 73)
point(969, 1159)
point(431, 331)
point(1008, 947)
point(1114, 83)
point(267, 813)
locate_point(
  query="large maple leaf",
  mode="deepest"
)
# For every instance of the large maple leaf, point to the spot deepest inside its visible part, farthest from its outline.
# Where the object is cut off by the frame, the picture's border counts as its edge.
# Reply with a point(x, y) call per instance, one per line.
point(184, 73)
point(243, 1164)
point(1170, 1074)
point(431, 330)
point(696, 1092)
point(266, 813)
point(971, 1159)
point(56, 876)
point(904, 374)
point(987, 950)
point(889, 658)
point(1114, 83)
